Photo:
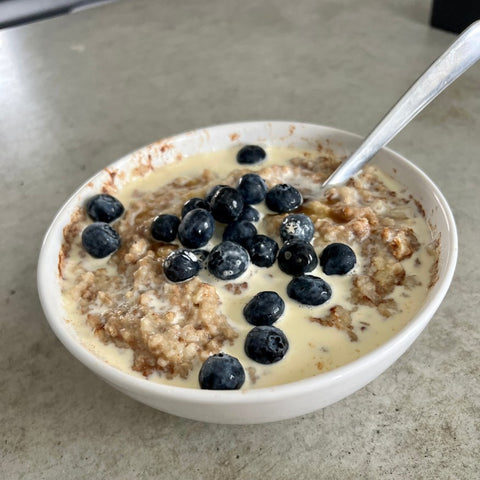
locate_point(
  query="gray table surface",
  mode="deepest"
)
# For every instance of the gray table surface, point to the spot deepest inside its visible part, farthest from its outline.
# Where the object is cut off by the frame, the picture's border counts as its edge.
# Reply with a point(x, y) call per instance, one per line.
point(77, 92)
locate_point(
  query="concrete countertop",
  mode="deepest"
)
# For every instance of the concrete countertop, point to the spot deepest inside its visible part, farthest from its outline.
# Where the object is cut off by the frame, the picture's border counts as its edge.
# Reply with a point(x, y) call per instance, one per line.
point(79, 91)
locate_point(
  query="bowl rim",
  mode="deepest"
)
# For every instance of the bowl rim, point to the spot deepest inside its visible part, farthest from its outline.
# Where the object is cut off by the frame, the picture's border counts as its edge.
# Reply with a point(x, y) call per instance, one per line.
point(255, 395)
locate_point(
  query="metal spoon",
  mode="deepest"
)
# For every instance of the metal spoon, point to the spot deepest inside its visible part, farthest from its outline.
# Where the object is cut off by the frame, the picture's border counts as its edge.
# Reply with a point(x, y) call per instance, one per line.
point(461, 55)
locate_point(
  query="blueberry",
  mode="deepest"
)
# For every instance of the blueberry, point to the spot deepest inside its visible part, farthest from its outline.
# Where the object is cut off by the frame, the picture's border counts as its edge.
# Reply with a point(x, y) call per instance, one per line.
point(264, 308)
point(239, 232)
point(249, 214)
point(250, 154)
point(99, 239)
point(201, 255)
point(104, 208)
point(309, 290)
point(181, 265)
point(266, 344)
point(194, 203)
point(283, 198)
point(337, 259)
point(253, 188)
point(196, 228)
point(212, 192)
point(221, 372)
point(226, 205)
point(297, 257)
point(262, 250)
point(297, 225)
point(227, 260)
point(165, 227)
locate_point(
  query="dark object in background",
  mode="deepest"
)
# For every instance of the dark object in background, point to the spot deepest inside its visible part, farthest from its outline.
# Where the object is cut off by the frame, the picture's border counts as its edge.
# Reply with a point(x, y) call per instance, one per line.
point(454, 15)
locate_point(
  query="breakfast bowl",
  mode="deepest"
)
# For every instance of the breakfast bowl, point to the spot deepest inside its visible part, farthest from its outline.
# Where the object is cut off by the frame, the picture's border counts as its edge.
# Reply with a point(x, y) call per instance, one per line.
point(276, 401)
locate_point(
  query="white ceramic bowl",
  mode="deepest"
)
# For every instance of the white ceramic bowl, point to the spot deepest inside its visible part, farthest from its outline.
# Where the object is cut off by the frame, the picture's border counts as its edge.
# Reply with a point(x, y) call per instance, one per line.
point(266, 404)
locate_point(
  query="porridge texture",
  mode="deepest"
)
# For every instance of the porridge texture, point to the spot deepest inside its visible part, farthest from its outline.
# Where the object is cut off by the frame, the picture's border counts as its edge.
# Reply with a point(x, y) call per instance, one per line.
point(126, 311)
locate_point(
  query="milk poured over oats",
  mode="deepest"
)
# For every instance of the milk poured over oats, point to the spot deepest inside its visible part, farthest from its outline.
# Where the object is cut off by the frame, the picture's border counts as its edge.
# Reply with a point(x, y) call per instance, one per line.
point(126, 312)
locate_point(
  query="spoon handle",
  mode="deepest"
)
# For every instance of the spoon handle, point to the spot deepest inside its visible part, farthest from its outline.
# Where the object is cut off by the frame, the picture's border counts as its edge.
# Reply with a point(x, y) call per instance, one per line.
point(461, 55)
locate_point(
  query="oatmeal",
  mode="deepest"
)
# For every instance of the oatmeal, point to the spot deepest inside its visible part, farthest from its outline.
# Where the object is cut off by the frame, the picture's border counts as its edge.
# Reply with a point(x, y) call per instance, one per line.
point(125, 309)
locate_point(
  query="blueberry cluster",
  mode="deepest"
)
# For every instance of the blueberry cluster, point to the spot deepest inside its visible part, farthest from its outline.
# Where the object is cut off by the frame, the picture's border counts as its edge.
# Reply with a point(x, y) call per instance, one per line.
point(100, 239)
point(241, 245)
point(233, 207)
point(265, 343)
